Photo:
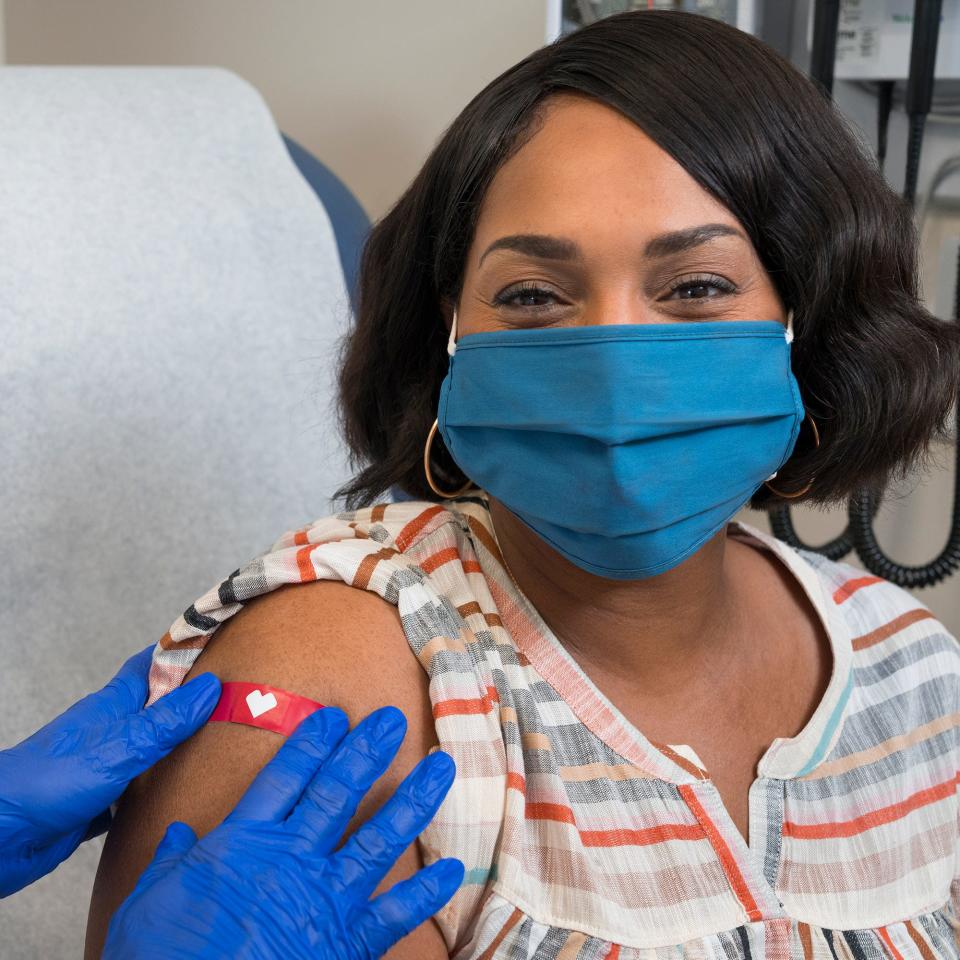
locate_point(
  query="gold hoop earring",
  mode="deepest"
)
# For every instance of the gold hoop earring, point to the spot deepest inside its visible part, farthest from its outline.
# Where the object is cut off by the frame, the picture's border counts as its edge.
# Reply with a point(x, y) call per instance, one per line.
point(800, 493)
point(426, 468)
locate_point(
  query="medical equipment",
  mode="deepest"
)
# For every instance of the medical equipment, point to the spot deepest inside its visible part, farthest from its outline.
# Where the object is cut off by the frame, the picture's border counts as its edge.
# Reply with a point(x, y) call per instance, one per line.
point(874, 40)
point(859, 534)
point(565, 16)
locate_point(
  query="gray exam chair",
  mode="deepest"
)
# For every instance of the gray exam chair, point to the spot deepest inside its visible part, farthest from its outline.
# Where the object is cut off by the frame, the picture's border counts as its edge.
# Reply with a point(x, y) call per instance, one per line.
point(171, 296)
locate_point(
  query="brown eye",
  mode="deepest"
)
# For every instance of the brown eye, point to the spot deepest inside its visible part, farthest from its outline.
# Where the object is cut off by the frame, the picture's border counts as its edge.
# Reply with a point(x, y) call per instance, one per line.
point(525, 296)
point(699, 284)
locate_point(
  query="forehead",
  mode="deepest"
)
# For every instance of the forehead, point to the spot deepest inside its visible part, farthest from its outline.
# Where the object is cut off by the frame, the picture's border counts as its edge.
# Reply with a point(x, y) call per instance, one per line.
point(588, 166)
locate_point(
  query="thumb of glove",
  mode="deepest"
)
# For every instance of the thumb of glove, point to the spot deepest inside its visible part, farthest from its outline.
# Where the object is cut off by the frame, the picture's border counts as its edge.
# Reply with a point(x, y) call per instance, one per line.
point(137, 742)
point(175, 844)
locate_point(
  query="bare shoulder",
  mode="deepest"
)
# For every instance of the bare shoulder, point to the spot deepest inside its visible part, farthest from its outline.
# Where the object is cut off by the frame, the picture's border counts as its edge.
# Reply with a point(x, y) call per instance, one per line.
point(338, 644)
point(326, 640)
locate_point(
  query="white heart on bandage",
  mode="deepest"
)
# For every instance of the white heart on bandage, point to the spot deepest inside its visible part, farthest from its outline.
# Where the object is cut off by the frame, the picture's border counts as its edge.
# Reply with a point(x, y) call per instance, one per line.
point(259, 703)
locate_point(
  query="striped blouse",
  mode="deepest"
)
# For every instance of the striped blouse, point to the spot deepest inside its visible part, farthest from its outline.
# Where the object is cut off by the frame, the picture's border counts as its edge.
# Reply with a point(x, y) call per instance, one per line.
point(584, 839)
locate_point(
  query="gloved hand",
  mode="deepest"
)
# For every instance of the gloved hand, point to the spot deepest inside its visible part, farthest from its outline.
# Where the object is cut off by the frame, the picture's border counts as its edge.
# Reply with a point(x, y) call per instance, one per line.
point(56, 786)
point(267, 883)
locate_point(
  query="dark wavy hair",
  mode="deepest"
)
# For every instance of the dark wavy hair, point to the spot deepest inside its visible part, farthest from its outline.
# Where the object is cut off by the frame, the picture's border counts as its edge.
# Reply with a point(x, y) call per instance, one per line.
point(878, 373)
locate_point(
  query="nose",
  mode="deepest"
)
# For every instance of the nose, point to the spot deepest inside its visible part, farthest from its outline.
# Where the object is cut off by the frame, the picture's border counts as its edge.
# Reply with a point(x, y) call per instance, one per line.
point(617, 306)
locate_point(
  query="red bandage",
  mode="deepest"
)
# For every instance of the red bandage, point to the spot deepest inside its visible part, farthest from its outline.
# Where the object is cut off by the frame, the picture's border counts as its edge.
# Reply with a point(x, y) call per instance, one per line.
point(258, 705)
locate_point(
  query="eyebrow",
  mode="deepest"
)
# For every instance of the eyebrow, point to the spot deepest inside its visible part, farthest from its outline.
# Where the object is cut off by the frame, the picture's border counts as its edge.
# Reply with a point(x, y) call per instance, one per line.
point(545, 247)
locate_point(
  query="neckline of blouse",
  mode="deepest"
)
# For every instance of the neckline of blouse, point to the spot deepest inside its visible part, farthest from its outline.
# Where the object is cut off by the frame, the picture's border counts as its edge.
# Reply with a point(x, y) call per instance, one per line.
point(786, 758)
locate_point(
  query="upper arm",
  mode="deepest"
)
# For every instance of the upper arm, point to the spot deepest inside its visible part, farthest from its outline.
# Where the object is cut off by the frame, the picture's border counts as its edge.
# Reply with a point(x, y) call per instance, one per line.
point(325, 640)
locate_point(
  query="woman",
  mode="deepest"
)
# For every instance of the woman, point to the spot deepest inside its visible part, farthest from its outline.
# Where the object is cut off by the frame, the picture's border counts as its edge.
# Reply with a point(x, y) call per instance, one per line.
point(672, 732)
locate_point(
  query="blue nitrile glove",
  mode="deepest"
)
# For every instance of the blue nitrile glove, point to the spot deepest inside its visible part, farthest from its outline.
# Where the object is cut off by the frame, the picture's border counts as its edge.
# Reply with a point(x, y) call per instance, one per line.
point(267, 884)
point(56, 786)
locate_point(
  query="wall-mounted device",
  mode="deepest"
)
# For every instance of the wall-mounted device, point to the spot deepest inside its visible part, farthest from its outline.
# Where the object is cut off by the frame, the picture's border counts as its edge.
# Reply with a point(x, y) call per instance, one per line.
point(565, 16)
point(874, 36)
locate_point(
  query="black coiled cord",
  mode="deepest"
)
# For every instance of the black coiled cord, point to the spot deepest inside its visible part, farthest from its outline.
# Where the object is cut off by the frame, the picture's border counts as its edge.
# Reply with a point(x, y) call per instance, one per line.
point(863, 506)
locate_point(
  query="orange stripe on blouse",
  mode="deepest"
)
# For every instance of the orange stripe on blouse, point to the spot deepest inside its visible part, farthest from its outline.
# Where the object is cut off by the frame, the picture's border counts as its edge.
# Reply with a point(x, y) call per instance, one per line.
point(894, 952)
point(560, 813)
point(367, 567)
point(438, 559)
point(848, 589)
point(730, 868)
point(304, 566)
point(889, 629)
point(642, 838)
point(516, 781)
point(300, 538)
point(409, 533)
point(512, 921)
point(195, 643)
point(681, 761)
point(549, 811)
point(875, 818)
point(922, 946)
point(457, 708)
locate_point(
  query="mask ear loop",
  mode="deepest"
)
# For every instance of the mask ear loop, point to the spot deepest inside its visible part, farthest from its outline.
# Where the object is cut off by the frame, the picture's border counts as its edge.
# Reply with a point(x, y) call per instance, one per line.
point(451, 343)
point(788, 333)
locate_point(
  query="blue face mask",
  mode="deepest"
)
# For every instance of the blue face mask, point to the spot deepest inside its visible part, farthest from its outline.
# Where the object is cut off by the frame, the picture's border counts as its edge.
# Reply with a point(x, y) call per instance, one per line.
point(628, 446)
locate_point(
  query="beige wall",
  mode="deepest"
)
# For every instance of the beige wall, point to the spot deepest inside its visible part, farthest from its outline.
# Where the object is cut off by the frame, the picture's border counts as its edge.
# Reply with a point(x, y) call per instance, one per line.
point(369, 87)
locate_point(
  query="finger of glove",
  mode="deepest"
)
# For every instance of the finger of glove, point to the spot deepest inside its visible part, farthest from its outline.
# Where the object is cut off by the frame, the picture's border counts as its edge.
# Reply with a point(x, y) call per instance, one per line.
point(176, 842)
point(280, 784)
point(333, 795)
point(406, 905)
point(364, 860)
point(135, 743)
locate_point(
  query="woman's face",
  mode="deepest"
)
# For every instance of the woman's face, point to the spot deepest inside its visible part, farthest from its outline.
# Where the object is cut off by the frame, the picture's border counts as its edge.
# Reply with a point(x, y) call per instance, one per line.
point(575, 230)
